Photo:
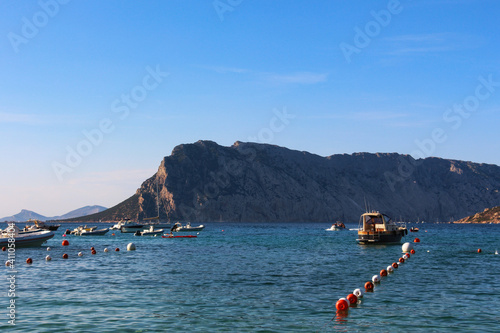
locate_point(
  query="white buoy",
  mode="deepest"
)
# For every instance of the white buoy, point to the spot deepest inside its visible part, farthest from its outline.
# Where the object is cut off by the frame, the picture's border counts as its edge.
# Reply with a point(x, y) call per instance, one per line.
point(48, 249)
point(407, 247)
point(376, 279)
point(390, 269)
point(131, 247)
point(106, 249)
point(405, 257)
point(358, 293)
point(48, 258)
point(80, 254)
point(496, 252)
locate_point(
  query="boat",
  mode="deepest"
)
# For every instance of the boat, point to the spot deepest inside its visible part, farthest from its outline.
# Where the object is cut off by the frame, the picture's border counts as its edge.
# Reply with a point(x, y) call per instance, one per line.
point(89, 231)
point(94, 232)
point(414, 229)
point(130, 227)
point(29, 239)
point(178, 227)
point(337, 226)
point(149, 232)
point(378, 228)
point(183, 236)
point(43, 225)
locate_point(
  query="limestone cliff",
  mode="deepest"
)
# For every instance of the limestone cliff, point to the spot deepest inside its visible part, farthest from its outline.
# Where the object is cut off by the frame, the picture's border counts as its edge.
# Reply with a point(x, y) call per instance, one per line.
point(489, 215)
point(257, 182)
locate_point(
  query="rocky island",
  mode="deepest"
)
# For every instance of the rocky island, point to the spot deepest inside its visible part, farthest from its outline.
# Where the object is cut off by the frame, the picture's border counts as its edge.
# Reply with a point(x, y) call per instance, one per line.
point(252, 182)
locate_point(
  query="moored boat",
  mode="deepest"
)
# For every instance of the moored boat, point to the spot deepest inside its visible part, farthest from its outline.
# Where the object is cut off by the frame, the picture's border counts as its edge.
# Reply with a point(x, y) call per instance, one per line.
point(337, 226)
point(29, 239)
point(43, 225)
point(378, 228)
point(178, 227)
point(149, 232)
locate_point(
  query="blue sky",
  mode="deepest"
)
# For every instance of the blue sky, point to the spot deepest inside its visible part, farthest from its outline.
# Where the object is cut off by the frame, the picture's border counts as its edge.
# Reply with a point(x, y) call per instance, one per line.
point(121, 83)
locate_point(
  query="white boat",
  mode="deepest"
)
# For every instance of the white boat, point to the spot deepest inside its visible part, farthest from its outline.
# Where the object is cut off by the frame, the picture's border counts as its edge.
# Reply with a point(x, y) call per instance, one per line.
point(130, 227)
point(89, 231)
point(178, 227)
point(29, 239)
point(120, 224)
point(149, 232)
point(336, 227)
point(95, 232)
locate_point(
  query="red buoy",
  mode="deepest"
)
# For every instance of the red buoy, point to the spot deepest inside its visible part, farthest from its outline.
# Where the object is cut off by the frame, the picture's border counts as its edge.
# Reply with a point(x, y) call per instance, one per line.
point(407, 256)
point(65, 242)
point(401, 260)
point(412, 251)
point(479, 251)
point(117, 249)
point(368, 286)
point(383, 272)
point(65, 256)
point(93, 252)
point(417, 240)
point(352, 299)
point(29, 261)
point(4, 249)
point(92, 248)
point(395, 265)
point(341, 305)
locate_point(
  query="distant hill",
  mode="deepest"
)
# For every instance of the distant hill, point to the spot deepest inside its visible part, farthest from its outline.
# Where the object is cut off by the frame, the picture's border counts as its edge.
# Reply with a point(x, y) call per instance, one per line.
point(488, 215)
point(26, 215)
point(249, 182)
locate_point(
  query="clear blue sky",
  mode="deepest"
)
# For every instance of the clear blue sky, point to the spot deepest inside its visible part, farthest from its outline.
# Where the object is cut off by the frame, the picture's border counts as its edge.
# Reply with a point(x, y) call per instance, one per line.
point(413, 77)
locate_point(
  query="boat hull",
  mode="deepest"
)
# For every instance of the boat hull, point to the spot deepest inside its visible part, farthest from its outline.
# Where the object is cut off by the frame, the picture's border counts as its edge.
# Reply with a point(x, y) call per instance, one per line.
point(31, 240)
point(131, 229)
point(385, 237)
point(100, 232)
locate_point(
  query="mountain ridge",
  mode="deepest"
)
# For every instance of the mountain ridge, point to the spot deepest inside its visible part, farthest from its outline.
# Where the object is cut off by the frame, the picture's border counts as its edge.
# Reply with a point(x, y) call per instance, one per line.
point(26, 215)
point(250, 182)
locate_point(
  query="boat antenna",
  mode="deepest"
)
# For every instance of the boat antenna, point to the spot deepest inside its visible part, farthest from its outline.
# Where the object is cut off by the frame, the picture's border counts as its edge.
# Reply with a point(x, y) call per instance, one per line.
point(366, 207)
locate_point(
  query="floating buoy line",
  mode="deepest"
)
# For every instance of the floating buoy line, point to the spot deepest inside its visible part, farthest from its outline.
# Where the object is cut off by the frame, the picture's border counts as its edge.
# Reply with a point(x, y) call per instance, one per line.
point(93, 251)
point(352, 300)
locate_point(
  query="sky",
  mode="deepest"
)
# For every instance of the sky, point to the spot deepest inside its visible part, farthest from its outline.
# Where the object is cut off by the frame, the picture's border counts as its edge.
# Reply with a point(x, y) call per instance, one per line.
point(93, 94)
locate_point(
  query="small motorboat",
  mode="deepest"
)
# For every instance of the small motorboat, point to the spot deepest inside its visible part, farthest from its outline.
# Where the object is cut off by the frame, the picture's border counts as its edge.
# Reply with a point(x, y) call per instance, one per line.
point(149, 232)
point(337, 226)
point(377, 228)
point(43, 225)
point(186, 228)
point(89, 231)
point(29, 239)
point(414, 229)
point(183, 236)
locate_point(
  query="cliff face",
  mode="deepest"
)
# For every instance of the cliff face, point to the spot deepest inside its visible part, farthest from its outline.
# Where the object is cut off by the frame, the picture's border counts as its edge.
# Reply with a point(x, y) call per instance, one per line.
point(489, 215)
point(256, 182)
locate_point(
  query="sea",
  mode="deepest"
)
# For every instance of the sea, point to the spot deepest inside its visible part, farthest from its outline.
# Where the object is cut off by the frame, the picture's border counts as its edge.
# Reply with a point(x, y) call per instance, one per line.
point(255, 277)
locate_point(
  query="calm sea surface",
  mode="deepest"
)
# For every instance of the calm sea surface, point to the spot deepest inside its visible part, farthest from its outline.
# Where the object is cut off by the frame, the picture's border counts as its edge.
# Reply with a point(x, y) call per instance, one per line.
point(238, 277)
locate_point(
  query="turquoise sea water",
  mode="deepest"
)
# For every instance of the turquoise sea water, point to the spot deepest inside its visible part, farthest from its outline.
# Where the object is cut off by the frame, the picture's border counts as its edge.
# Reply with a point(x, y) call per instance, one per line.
point(238, 277)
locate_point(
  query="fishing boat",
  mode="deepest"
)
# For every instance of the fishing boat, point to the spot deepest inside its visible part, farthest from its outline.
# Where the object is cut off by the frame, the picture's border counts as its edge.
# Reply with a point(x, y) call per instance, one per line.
point(378, 228)
point(30, 239)
point(337, 226)
point(178, 227)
